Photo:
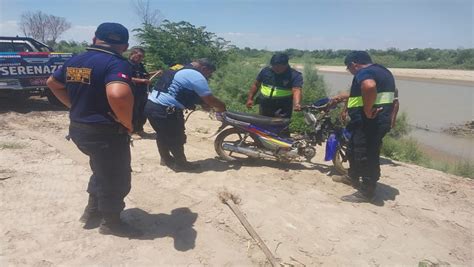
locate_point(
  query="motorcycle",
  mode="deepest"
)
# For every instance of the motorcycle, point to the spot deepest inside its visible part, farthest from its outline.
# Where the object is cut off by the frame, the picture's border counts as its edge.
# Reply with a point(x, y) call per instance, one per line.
point(256, 136)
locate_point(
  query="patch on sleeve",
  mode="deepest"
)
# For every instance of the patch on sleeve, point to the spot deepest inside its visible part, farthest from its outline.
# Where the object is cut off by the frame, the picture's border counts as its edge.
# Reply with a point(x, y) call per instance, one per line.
point(123, 76)
point(79, 75)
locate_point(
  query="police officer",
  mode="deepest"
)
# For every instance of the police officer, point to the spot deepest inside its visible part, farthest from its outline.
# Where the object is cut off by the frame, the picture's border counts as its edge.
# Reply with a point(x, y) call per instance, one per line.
point(370, 108)
point(175, 91)
point(280, 88)
point(140, 85)
point(95, 85)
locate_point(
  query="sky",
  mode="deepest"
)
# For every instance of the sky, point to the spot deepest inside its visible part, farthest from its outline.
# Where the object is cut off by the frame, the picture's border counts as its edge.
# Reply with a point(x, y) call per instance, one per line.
point(277, 24)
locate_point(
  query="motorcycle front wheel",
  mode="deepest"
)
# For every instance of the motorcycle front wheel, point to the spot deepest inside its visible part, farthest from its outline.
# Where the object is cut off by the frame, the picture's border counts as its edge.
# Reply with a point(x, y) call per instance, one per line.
point(237, 138)
point(340, 160)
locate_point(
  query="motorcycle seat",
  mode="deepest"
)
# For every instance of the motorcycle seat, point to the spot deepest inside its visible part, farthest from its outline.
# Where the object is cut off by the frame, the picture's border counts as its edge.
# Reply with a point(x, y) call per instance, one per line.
point(257, 119)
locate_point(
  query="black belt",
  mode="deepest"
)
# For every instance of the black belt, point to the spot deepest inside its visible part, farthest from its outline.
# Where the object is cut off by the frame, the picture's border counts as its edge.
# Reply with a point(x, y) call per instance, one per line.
point(169, 109)
point(98, 128)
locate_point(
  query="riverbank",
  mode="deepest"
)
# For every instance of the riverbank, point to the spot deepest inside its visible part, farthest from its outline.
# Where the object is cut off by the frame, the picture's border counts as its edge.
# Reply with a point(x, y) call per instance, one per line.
point(439, 75)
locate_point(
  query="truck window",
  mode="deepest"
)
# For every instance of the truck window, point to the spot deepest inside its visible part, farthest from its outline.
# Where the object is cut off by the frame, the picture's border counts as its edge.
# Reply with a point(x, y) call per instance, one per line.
point(44, 49)
point(22, 47)
point(6, 47)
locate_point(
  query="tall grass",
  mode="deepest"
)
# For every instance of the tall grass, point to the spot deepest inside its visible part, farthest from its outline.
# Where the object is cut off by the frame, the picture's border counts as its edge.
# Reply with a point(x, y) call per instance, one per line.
point(231, 83)
point(398, 147)
point(402, 149)
point(461, 168)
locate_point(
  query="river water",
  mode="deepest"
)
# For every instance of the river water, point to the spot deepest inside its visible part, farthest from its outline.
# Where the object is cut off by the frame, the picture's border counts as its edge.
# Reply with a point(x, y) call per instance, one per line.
point(431, 105)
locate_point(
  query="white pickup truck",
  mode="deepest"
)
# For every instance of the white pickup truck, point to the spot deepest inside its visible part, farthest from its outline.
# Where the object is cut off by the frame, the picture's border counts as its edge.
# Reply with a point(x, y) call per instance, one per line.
point(25, 65)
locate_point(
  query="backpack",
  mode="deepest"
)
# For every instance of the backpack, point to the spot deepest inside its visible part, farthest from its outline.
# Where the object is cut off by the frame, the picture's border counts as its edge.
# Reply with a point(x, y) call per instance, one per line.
point(167, 77)
point(186, 97)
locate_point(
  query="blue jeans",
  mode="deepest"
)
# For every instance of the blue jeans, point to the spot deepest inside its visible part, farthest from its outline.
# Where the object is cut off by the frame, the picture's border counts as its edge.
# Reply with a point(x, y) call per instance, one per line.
point(108, 148)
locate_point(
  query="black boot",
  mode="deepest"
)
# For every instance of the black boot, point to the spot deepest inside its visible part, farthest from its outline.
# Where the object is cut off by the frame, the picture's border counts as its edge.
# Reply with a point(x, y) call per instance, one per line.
point(181, 164)
point(185, 166)
point(91, 216)
point(113, 225)
point(366, 193)
point(167, 162)
point(166, 158)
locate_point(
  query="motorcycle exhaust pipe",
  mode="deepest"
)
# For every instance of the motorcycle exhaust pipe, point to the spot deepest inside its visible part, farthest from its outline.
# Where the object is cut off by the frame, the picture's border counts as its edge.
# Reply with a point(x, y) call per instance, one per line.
point(247, 151)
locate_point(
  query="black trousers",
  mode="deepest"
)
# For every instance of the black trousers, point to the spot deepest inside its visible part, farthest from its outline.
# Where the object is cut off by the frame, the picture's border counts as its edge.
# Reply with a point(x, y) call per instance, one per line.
point(364, 150)
point(170, 131)
point(275, 107)
point(108, 148)
point(139, 118)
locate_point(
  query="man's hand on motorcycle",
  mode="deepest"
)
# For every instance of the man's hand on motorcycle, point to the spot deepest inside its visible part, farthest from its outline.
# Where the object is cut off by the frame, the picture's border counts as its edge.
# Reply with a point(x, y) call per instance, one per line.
point(249, 103)
point(343, 115)
point(297, 107)
point(333, 102)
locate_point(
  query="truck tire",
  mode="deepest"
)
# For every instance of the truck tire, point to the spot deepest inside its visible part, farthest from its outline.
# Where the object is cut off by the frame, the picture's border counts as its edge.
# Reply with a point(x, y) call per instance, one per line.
point(19, 97)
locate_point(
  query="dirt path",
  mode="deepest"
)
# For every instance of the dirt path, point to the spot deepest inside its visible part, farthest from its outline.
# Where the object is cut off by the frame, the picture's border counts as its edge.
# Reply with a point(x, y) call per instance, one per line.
point(420, 213)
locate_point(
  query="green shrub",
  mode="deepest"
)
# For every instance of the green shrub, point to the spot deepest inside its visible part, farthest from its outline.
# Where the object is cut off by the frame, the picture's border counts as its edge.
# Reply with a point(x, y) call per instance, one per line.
point(406, 150)
point(427, 58)
point(180, 42)
point(401, 126)
point(231, 83)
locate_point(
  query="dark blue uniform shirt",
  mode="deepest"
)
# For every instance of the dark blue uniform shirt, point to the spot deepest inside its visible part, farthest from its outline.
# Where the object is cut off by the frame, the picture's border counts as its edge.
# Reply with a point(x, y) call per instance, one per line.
point(85, 77)
point(139, 71)
point(289, 79)
point(385, 83)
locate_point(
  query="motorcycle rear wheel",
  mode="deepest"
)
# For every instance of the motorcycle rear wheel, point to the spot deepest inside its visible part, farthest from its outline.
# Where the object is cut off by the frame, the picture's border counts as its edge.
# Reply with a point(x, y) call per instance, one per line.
point(233, 136)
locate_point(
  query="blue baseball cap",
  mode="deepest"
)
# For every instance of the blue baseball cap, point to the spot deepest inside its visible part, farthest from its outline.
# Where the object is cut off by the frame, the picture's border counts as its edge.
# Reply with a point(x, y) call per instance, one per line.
point(359, 57)
point(279, 59)
point(112, 33)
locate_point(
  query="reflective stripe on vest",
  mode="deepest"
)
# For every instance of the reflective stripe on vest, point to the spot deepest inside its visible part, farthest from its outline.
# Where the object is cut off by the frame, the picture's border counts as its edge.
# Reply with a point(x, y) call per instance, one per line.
point(382, 98)
point(274, 91)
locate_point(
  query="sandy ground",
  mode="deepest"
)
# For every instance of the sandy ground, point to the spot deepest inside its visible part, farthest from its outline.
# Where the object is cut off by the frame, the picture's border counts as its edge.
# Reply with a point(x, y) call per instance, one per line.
point(465, 76)
point(418, 214)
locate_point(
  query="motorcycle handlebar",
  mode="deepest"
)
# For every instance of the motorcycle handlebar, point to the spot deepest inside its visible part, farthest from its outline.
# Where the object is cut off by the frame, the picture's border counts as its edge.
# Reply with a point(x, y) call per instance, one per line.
point(313, 107)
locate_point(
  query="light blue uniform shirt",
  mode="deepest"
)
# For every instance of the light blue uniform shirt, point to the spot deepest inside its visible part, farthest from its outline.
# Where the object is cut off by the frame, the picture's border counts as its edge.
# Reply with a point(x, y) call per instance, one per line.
point(187, 79)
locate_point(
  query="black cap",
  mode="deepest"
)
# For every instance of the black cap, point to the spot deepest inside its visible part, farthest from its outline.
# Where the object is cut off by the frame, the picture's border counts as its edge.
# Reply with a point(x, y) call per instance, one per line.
point(206, 63)
point(112, 33)
point(279, 59)
point(359, 57)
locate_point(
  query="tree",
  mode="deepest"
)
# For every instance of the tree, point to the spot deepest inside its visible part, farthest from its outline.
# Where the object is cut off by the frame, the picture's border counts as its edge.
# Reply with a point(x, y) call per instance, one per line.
point(70, 46)
point(180, 42)
point(42, 26)
point(57, 26)
point(145, 12)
